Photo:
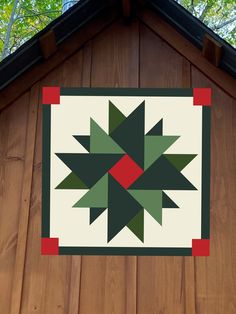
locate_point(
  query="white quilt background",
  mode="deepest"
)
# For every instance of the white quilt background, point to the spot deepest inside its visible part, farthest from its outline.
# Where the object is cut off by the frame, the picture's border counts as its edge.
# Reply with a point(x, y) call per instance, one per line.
point(72, 117)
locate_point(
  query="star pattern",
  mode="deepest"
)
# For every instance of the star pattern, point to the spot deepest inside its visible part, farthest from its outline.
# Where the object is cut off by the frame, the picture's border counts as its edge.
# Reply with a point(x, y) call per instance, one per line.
point(126, 171)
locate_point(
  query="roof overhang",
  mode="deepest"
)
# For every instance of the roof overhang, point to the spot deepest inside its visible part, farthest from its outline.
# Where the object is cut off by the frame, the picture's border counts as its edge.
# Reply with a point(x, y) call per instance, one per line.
point(30, 55)
point(194, 30)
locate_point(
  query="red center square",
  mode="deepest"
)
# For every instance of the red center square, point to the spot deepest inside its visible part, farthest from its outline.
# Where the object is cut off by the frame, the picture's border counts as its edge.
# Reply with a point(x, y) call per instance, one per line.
point(126, 171)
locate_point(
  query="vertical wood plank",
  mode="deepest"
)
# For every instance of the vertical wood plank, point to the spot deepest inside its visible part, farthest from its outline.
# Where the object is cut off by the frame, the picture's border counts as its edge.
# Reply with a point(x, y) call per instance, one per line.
point(48, 281)
point(13, 126)
point(35, 275)
point(161, 280)
point(131, 285)
point(215, 275)
point(25, 201)
point(160, 65)
point(190, 284)
point(108, 283)
point(115, 57)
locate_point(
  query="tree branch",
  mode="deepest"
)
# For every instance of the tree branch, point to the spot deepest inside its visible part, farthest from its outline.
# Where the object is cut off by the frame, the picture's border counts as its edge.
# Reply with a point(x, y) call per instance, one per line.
point(191, 7)
point(216, 27)
point(67, 2)
point(204, 12)
point(9, 28)
point(37, 14)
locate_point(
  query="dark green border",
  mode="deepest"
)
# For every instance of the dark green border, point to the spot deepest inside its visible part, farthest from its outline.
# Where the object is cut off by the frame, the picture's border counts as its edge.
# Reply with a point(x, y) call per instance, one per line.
point(46, 171)
point(206, 155)
point(83, 91)
point(205, 220)
point(152, 251)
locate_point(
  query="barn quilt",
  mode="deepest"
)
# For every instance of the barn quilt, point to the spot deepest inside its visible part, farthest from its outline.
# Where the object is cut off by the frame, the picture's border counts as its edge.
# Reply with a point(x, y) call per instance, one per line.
point(126, 171)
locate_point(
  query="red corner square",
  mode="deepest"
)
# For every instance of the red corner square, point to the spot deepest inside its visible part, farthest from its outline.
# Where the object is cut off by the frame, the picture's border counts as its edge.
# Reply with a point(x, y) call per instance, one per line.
point(126, 171)
point(202, 96)
point(200, 247)
point(51, 95)
point(49, 246)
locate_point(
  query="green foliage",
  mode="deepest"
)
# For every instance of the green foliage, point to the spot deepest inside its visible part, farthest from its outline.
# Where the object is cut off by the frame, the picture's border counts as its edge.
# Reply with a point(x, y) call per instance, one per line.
point(33, 15)
point(30, 17)
point(219, 15)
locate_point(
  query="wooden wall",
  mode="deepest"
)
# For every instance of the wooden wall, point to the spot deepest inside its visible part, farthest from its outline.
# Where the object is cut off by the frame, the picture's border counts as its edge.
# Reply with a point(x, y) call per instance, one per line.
point(120, 56)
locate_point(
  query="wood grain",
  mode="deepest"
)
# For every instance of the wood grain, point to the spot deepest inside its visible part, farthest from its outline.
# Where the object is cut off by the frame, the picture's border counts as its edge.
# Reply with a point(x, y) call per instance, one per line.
point(25, 201)
point(48, 44)
point(46, 279)
point(126, 7)
point(13, 125)
point(215, 276)
point(160, 65)
point(35, 273)
point(212, 50)
point(115, 57)
point(188, 50)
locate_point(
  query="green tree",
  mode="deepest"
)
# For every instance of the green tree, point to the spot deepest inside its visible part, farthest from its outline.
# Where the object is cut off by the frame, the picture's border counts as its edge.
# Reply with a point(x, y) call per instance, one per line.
point(219, 15)
point(21, 19)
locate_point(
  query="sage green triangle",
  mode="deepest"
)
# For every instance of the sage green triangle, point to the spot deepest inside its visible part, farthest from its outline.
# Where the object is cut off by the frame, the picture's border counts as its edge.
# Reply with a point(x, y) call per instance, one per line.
point(97, 196)
point(115, 117)
point(155, 146)
point(151, 200)
point(180, 161)
point(136, 225)
point(101, 142)
point(72, 182)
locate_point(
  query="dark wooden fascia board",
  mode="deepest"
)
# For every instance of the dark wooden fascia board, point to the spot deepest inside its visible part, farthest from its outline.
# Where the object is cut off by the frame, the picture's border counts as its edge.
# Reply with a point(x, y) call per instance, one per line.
point(212, 50)
point(126, 8)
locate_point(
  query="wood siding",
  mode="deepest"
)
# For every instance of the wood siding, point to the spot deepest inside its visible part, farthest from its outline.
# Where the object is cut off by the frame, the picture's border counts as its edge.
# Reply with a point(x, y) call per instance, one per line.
point(120, 56)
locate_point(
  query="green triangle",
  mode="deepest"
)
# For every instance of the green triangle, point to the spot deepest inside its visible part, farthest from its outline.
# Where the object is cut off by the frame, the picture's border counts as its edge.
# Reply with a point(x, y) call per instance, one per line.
point(122, 208)
point(162, 175)
point(157, 129)
point(115, 117)
point(155, 146)
point(151, 200)
point(89, 167)
point(101, 142)
point(180, 161)
point(136, 225)
point(97, 196)
point(130, 134)
point(72, 182)
point(167, 201)
point(95, 213)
